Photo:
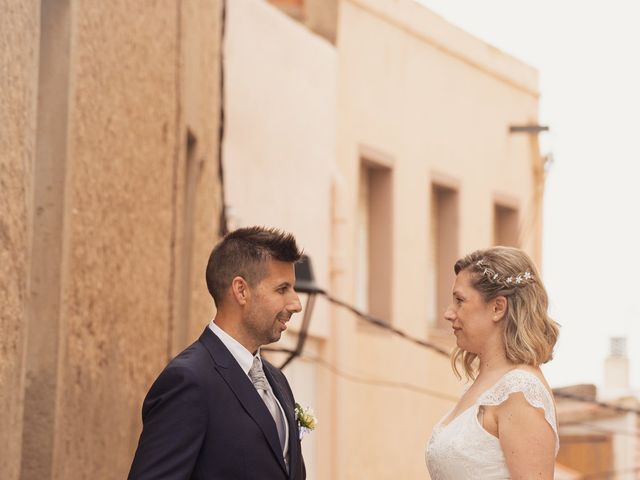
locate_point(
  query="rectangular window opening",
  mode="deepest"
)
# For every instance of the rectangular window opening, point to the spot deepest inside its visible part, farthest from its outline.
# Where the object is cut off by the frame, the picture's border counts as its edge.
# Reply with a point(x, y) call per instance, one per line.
point(505, 226)
point(444, 249)
point(374, 241)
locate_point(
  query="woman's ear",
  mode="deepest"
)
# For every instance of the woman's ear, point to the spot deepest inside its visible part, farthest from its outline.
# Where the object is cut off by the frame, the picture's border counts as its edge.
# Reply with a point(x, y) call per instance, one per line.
point(499, 308)
point(240, 290)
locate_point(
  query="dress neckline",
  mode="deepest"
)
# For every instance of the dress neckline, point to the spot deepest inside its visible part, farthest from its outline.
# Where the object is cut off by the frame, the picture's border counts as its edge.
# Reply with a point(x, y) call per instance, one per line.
point(495, 384)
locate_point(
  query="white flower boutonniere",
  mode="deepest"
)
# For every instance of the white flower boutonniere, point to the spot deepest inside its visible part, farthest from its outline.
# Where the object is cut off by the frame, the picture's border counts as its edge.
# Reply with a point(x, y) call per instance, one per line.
point(306, 420)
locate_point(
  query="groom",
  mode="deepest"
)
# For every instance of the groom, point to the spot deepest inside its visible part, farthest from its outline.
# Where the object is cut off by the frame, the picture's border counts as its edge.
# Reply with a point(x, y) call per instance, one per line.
point(219, 410)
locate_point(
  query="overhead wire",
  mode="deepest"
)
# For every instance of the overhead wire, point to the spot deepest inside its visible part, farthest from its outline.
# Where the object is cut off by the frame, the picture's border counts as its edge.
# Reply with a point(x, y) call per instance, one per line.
point(434, 393)
point(385, 325)
point(592, 401)
point(380, 382)
point(612, 474)
point(447, 397)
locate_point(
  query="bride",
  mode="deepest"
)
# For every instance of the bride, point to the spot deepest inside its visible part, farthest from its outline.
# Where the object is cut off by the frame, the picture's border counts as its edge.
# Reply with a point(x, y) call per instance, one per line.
point(504, 425)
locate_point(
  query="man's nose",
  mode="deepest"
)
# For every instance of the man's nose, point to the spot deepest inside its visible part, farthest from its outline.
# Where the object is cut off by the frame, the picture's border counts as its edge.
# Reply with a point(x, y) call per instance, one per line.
point(295, 305)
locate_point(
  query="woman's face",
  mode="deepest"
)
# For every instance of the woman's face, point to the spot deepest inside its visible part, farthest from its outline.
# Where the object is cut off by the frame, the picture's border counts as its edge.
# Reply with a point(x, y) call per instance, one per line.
point(473, 320)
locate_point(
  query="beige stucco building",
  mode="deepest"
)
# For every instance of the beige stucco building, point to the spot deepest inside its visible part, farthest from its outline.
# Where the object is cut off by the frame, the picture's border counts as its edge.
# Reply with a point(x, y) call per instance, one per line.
point(279, 161)
point(431, 172)
point(598, 440)
point(379, 134)
point(110, 203)
point(374, 130)
point(595, 440)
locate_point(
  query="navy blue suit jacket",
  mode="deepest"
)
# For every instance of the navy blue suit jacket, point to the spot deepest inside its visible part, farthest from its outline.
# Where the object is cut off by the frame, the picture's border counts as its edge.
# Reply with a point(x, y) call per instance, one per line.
point(203, 419)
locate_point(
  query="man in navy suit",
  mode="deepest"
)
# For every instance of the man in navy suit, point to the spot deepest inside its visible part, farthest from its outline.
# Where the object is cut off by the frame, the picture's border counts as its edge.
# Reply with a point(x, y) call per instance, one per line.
point(219, 410)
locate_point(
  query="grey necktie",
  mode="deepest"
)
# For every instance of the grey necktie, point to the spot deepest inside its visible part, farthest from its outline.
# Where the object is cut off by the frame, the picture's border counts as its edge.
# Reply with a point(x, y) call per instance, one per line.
point(264, 389)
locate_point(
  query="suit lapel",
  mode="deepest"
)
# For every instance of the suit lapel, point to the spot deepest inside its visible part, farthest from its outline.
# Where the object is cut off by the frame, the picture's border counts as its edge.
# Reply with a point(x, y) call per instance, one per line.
point(244, 391)
point(288, 407)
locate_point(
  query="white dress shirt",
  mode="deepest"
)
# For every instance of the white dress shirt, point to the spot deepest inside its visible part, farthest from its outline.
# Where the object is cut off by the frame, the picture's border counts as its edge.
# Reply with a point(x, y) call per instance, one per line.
point(245, 359)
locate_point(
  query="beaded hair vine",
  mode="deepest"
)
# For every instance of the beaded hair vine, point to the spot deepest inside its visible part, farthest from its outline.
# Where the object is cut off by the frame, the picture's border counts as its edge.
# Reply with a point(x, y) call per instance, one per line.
point(511, 281)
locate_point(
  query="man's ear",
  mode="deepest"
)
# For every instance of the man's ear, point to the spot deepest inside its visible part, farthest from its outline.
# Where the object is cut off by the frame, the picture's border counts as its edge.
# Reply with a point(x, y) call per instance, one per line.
point(240, 290)
point(499, 307)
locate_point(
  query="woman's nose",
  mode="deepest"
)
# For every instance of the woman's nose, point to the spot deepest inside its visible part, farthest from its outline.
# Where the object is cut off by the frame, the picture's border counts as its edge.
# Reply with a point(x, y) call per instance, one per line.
point(449, 315)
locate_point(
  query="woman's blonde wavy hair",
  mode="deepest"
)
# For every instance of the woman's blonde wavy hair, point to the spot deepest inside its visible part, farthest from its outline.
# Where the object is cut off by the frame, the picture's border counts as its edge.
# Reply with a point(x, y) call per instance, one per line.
point(529, 333)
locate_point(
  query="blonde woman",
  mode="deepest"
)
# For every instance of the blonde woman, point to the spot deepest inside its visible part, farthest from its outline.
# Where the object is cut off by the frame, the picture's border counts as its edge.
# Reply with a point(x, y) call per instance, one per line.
point(504, 425)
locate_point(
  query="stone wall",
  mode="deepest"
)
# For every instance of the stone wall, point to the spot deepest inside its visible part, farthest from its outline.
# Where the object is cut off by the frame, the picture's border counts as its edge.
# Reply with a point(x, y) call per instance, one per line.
point(114, 139)
point(18, 68)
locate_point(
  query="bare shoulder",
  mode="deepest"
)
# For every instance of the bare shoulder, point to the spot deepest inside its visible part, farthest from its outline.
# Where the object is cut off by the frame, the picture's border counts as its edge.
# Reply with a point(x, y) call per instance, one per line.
point(527, 436)
point(516, 415)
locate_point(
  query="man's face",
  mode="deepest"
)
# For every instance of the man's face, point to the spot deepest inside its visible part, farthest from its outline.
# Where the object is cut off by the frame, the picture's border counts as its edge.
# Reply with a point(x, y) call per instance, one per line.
point(271, 304)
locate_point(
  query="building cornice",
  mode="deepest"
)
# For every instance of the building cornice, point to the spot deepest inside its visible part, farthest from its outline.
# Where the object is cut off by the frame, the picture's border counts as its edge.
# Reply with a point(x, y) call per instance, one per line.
point(417, 20)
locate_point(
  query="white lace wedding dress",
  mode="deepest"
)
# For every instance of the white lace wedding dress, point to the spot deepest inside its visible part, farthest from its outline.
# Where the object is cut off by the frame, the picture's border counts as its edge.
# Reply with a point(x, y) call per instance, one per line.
point(464, 450)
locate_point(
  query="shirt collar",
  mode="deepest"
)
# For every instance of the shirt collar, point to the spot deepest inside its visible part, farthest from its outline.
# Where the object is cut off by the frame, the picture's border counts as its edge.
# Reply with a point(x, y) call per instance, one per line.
point(243, 356)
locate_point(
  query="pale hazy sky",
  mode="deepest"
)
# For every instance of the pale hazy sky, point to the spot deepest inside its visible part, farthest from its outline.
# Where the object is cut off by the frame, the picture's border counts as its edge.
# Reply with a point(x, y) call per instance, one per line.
point(588, 56)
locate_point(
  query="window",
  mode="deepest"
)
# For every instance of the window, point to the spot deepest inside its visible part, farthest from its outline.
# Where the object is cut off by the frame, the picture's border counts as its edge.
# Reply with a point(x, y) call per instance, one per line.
point(444, 249)
point(505, 225)
point(373, 273)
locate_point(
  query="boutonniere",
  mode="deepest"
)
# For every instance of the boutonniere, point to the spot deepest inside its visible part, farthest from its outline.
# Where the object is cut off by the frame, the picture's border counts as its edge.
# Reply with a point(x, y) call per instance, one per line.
point(307, 421)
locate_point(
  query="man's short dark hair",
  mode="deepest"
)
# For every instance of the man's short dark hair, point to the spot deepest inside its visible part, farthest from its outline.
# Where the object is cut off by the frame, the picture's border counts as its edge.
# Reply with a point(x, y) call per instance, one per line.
point(244, 253)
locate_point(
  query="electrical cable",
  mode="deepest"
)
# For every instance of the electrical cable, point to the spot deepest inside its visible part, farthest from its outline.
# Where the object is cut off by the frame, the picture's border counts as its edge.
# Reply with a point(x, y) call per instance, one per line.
point(611, 474)
point(610, 406)
point(444, 396)
point(380, 383)
point(433, 393)
point(386, 326)
point(602, 429)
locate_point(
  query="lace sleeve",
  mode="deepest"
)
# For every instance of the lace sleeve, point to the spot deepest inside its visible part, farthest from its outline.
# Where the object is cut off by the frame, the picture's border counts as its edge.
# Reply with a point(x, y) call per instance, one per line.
point(535, 393)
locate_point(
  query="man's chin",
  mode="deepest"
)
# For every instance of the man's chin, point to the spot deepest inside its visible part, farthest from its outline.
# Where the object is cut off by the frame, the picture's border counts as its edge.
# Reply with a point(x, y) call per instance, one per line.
point(274, 338)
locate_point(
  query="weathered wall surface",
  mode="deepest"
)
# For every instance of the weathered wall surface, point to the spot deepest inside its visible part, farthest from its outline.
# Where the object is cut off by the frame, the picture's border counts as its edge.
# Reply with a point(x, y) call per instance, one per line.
point(282, 177)
point(118, 110)
point(115, 309)
point(279, 156)
point(144, 74)
point(200, 111)
point(19, 33)
point(430, 102)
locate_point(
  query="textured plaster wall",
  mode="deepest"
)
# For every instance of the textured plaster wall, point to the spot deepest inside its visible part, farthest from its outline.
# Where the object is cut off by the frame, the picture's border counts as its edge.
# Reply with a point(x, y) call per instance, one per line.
point(279, 156)
point(433, 103)
point(138, 76)
point(132, 91)
point(200, 111)
point(19, 24)
point(115, 308)
point(281, 94)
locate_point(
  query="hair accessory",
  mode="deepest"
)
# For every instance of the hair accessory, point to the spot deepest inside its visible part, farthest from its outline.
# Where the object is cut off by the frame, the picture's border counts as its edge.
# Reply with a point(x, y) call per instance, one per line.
point(509, 282)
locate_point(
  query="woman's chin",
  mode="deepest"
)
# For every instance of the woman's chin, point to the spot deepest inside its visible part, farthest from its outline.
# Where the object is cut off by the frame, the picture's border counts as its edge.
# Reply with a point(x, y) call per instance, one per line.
point(462, 345)
point(459, 341)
